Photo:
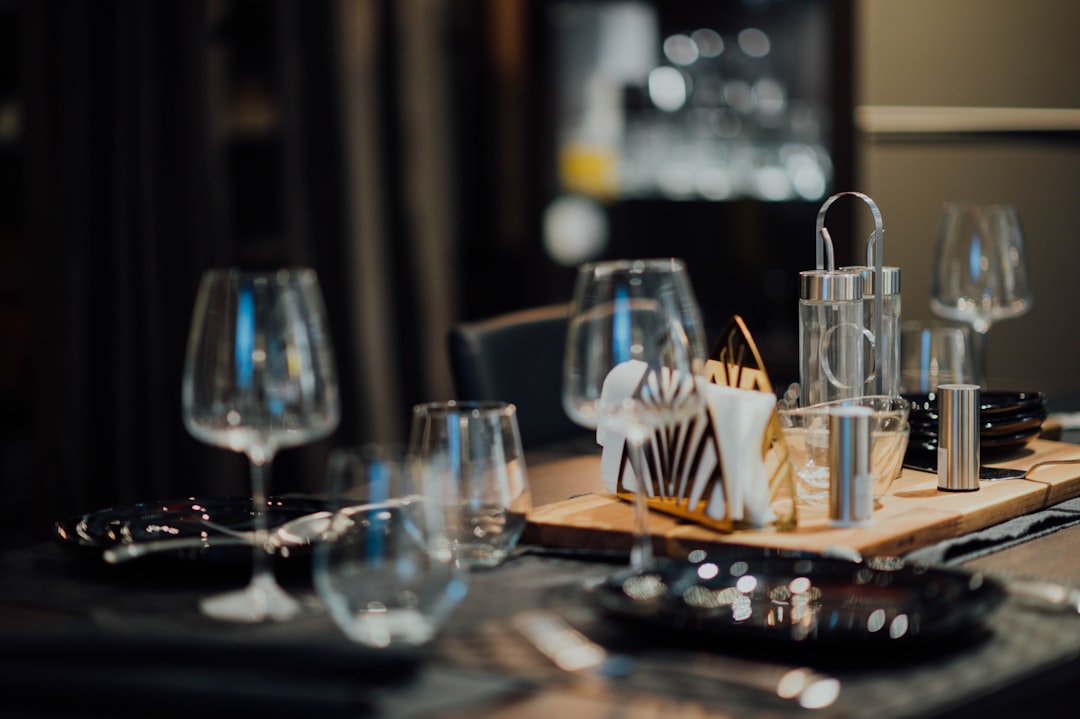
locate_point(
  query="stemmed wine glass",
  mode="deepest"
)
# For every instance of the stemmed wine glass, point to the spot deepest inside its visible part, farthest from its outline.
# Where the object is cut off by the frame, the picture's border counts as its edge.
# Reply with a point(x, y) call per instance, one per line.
point(635, 319)
point(259, 377)
point(980, 273)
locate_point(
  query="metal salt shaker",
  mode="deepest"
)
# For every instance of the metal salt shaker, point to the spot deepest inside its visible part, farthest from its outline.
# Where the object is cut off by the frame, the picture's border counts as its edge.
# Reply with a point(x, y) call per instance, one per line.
point(851, 490)
point(958, 437)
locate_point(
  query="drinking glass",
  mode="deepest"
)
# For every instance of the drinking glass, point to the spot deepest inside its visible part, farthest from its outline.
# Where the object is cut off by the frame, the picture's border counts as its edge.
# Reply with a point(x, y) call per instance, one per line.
point(259, 377)
point(386, 571)
point(806, 431)
point(625, 312)
point(933, 355)
point(980, 274)
point(474, 448)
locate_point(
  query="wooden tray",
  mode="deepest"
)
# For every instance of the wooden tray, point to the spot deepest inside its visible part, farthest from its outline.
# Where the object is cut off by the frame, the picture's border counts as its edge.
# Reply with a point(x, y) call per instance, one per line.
point(913, 514)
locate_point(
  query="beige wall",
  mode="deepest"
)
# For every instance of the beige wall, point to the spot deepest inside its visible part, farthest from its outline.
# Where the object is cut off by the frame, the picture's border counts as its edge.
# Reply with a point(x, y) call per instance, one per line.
point(986, 53)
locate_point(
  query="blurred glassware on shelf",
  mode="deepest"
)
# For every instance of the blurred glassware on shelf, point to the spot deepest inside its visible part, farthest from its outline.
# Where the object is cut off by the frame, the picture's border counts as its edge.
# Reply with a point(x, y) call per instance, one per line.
point(720, 111)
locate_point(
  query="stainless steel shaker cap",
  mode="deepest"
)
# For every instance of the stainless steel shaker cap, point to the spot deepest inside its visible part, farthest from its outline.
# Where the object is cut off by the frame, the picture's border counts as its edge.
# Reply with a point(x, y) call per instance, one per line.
point(830, 285)
point(890, 279)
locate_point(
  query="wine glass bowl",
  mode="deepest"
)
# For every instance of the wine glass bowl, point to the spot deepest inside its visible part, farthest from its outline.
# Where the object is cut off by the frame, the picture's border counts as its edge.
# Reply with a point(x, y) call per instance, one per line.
point(980, 273)
point(625, 310)
point(259, 376)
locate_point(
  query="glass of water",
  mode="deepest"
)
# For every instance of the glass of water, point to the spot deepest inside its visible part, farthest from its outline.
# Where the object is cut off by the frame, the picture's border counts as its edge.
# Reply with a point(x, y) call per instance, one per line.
point(474, 449)
point(386, 572)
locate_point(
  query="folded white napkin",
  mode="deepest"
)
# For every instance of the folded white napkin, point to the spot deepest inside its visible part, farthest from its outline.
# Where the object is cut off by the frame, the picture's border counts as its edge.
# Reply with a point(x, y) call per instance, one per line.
point(731, 424)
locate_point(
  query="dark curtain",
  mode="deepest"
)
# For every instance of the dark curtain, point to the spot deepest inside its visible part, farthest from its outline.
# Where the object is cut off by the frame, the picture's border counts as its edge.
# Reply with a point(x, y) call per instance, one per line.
point(133, 191)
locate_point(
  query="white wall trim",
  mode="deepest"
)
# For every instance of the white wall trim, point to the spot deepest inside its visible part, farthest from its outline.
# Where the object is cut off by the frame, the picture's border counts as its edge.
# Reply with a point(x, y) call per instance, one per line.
point(907, 120)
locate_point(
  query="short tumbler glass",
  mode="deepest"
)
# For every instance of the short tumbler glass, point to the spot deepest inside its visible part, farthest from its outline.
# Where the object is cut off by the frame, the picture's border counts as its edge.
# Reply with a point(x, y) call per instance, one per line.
point(386, 573)
point(475, 450)
point(806, 433)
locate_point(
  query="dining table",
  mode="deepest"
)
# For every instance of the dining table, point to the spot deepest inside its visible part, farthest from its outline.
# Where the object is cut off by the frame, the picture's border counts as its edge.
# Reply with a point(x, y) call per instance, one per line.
point(82, 638)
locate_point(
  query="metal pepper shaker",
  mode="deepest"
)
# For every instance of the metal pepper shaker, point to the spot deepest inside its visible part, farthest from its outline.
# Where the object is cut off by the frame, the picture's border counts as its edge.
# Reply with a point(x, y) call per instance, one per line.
point(958, 437)
point(851, 490)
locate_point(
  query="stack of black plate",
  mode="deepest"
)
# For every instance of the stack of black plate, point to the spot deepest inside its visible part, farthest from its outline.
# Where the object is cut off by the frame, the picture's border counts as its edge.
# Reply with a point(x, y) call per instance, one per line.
point(1007, 421)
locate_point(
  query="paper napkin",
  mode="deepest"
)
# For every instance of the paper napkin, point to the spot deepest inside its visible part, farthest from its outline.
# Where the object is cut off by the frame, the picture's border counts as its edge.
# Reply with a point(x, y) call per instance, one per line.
point(726, 437)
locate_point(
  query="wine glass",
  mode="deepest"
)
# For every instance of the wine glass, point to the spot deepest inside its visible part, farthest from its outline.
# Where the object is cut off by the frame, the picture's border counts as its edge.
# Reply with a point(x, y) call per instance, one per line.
point(259, 377)
point(980, 273)
point(387, 572)
point(636, 319)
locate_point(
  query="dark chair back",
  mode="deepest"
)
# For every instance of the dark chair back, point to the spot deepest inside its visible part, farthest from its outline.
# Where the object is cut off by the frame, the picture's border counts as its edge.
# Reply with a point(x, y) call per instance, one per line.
point(516, 357)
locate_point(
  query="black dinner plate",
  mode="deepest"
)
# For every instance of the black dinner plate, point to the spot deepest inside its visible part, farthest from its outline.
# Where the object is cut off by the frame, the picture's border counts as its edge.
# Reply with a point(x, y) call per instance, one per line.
point(803, 599)
point(1009, 423)
point(924, 405)
point(97, 531)
point(1016, 440)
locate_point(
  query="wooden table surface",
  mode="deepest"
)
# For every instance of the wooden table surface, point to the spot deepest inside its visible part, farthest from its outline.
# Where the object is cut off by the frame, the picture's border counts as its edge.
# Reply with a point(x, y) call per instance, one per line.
point(574, 510)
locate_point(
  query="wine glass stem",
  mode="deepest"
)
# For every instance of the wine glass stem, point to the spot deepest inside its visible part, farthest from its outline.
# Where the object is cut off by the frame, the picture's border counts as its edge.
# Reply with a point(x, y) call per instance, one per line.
point(981, 354)
point(262, 571)
point(641, 554)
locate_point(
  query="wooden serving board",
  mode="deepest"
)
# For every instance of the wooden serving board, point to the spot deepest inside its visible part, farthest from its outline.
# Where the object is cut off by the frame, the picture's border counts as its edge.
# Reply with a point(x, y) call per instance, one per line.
point(914, 513)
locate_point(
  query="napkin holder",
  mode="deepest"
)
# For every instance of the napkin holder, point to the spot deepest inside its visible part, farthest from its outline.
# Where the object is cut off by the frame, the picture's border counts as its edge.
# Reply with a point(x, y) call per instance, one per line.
point(734, 362)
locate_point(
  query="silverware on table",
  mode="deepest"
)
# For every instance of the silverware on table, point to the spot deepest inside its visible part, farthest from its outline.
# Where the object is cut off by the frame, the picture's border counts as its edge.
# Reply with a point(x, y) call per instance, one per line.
point(570, 650)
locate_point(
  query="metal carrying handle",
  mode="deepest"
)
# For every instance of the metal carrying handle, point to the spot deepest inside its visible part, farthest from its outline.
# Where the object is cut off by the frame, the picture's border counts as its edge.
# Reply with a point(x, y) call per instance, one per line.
point(876, 245)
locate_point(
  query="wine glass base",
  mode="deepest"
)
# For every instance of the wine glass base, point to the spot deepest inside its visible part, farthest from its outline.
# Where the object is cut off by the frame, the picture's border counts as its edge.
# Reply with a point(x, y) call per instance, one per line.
point(253, 604)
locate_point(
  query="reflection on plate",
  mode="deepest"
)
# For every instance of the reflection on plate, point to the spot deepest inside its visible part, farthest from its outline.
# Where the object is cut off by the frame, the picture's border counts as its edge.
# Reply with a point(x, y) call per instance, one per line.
point(800, 599)
point(192, 518)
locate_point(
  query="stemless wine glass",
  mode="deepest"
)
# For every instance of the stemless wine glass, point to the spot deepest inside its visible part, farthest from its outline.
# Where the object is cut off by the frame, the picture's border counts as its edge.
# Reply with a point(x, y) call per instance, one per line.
point(387, 571)
point(259, 376)
point(474, 449)
point(980, 273)
point(625, 312)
